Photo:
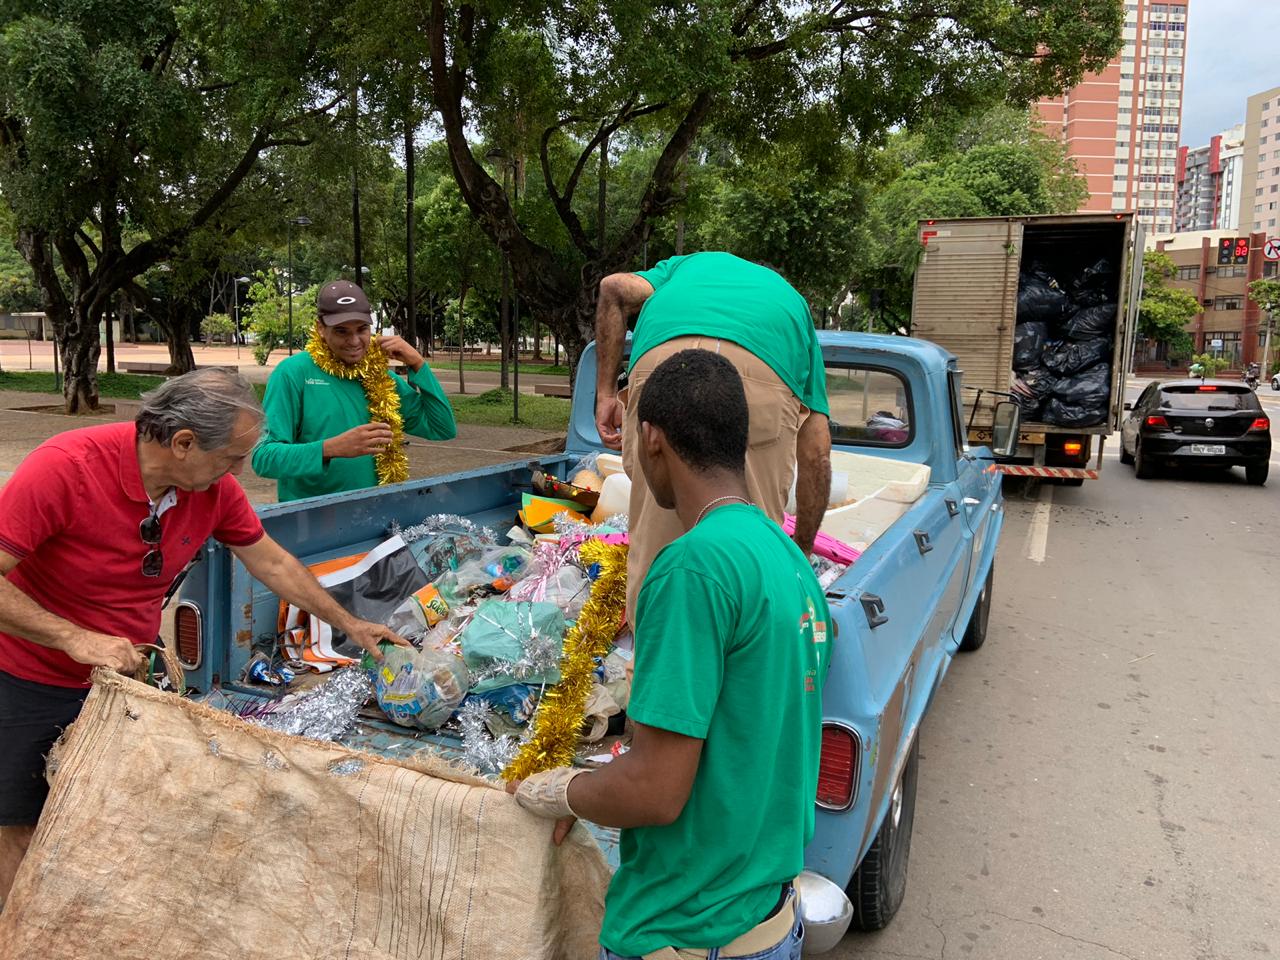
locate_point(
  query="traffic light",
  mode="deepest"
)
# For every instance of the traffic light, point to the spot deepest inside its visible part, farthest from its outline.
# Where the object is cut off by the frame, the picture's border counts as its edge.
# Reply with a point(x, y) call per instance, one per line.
point(1233, 250)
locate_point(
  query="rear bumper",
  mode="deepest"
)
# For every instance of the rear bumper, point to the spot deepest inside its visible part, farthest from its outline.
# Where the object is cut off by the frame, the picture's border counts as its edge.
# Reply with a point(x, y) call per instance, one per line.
point(1060, 473)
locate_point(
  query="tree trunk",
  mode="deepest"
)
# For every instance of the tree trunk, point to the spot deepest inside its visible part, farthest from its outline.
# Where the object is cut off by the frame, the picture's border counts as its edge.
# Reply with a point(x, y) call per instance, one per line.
point(178, 339)
point(462, 339)
point(111, 341)
point(411, 294)
point(79, 350)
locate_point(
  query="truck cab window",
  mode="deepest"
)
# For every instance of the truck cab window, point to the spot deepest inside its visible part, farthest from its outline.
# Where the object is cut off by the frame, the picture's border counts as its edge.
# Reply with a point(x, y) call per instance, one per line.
point(869, 407)
point(954, 378)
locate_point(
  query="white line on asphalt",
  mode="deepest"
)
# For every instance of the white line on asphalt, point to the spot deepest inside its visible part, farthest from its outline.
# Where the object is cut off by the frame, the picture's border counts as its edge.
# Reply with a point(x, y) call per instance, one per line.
point(1038, 534)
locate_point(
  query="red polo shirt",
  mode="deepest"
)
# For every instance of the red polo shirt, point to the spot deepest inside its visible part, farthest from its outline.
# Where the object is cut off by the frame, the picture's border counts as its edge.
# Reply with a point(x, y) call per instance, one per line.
point(70, 514)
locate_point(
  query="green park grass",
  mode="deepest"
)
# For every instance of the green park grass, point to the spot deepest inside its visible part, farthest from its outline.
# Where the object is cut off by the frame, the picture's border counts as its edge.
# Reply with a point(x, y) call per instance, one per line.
point(493, 409)
point(493, 366)
point(116, 386)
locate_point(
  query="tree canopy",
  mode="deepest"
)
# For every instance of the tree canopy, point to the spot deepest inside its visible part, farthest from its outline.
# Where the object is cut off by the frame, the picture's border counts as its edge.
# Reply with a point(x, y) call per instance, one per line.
point(1165, 311)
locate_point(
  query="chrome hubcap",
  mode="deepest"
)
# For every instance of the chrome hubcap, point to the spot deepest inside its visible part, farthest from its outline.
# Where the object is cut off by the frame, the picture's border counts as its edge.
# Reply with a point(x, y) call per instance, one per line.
point(895, 807)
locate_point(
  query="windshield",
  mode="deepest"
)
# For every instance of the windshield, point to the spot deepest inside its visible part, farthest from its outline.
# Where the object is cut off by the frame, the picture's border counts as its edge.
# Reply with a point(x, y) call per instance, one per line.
point(1199, 398)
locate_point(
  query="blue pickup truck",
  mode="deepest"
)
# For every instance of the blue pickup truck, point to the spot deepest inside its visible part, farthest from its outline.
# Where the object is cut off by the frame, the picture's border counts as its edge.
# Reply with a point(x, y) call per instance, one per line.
point(920, 592)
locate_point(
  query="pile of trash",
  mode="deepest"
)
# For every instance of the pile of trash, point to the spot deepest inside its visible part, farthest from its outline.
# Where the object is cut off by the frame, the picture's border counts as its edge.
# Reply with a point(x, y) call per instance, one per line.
point(1062, 345)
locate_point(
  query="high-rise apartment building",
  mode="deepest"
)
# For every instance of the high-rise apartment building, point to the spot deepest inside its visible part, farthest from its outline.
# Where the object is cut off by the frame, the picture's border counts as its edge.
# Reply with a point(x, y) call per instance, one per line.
point(1209, 183)
point(1260, 185)
point(1122, 125)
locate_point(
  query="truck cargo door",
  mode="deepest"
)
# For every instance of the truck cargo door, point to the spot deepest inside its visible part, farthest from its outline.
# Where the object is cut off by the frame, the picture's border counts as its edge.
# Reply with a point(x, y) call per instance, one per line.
point(966, 295)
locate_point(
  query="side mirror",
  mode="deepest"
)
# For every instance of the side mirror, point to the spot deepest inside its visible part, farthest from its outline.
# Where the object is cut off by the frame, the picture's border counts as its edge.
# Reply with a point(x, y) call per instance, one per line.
point(1128, 406)
point(1004, 429)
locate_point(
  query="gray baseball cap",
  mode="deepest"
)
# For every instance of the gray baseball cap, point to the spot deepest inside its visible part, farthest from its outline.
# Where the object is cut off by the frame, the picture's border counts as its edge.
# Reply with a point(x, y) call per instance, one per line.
point(340, 301)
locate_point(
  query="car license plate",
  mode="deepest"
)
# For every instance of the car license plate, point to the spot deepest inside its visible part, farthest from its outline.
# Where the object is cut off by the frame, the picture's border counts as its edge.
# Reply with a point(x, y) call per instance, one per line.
point(1209, 449)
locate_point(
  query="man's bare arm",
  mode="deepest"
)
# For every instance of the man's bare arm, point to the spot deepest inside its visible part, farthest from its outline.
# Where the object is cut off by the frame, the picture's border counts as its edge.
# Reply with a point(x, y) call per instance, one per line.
point(621, 297)
point(813, 478)
point(23, 617)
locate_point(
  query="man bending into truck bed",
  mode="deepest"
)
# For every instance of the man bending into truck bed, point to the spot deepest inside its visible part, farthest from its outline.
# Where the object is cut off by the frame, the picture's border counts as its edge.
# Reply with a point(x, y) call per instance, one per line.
point(716, 795)
point(750, 315)
point(95, 525)
point(336, 416)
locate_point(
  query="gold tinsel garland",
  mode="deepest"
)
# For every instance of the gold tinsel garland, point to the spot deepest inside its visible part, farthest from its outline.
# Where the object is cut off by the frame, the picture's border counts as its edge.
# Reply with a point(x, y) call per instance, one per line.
point(379, 392)
point(558, 722)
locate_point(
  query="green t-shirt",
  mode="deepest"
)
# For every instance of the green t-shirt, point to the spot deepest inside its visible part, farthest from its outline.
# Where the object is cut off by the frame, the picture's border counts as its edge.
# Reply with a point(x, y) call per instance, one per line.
point(720, 295)
point(732, 648)
point(304, 407)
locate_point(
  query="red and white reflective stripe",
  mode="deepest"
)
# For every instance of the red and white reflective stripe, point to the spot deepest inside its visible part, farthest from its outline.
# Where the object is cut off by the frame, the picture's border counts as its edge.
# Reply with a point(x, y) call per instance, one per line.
point(1060, 473)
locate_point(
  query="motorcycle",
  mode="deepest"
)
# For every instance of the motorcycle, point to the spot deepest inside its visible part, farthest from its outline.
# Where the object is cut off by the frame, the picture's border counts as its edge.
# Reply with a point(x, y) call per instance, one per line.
point(1251, 376)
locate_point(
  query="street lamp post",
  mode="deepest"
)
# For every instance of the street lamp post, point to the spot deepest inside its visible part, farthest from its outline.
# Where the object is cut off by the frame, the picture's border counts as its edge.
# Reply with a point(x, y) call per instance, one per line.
point(238, 281)
point(301, 222)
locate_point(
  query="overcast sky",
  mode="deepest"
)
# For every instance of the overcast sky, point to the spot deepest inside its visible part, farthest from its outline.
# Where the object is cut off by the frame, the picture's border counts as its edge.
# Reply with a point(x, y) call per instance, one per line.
point(1231, 55)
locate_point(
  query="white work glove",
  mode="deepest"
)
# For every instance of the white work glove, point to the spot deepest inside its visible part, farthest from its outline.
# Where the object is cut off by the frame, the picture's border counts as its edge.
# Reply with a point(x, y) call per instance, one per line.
point(547, 794)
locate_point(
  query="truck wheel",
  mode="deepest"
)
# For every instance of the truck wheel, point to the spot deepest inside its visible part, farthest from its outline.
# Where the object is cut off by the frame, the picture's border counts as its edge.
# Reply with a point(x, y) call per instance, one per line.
point(975, 634)
point(1125, 456)
point(880, 882)
point(1143, 468)
point(1072, 481)
point(1256, 473)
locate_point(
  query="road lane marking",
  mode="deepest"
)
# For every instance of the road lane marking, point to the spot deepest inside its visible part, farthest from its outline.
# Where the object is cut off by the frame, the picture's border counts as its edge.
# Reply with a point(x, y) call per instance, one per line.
point(1038, 533)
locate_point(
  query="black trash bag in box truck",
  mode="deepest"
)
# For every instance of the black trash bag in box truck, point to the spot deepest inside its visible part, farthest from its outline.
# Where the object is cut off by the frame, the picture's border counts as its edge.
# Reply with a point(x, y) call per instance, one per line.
point(1030, 390)
point(1041, 299)
point(1091, 322)
point(1080, 401)
point(1096, 279)
point(1072, 356)
point(1028, 343)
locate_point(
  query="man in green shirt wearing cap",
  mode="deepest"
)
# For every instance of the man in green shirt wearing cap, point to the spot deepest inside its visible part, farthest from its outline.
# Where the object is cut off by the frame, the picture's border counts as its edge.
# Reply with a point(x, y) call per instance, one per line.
point(716, 796)
point(336, 415)
point(750, 315)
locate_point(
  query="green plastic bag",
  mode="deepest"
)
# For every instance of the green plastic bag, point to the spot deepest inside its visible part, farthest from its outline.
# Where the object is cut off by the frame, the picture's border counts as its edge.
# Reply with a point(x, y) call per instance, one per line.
point(518, 636)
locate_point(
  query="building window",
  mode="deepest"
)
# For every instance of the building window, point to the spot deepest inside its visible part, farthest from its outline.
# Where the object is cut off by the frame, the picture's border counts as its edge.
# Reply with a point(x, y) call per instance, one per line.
point(1228, 303)
point(1188, 273)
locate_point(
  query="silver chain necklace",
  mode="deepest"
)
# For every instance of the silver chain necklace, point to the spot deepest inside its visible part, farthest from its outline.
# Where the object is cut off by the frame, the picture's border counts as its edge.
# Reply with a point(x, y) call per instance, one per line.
point(712, 503)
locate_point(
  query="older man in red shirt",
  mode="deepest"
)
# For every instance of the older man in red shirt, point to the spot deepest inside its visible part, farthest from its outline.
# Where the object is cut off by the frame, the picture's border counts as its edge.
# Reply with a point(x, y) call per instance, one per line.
point(94, 526)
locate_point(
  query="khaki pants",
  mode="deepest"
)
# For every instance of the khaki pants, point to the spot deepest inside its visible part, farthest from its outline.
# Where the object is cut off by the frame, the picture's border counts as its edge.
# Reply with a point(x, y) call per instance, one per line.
point(775, 417)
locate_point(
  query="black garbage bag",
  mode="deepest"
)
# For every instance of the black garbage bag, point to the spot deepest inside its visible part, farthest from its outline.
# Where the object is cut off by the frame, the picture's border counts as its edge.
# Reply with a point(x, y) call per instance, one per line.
point(1030, 391)
point(1091, 323)
point(1080, 401)
point(1028, 343)
point(1100, 277)
point(1093, 298)
point(1073, 356)
point(1038, 300)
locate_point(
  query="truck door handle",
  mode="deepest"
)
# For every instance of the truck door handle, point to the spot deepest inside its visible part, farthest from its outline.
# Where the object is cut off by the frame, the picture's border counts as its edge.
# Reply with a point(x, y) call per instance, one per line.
point(953, 508)
point(922, 542)
point(873, 607)
point(971, 501)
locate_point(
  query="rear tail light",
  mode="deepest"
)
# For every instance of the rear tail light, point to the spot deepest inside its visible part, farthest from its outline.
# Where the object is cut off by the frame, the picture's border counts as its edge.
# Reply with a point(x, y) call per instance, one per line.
point(1262, 423)
point(838, 771)
point(1205, 388)
point(1072, 449)
point(1157, 421)
point(188, 635)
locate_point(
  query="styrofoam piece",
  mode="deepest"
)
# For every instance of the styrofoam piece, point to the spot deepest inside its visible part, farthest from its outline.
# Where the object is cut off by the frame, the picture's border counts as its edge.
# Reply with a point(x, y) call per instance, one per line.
point(863, 523)
point(898, 480)
point(607, 464)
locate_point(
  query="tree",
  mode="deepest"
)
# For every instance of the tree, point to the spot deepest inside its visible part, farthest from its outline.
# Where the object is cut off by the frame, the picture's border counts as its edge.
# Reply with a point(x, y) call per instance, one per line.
point(538, 78)
point(122, 135)
point(18, 290)
point(1266, 294)
point(1165, 311)
point(459, 256)
point(267, 317)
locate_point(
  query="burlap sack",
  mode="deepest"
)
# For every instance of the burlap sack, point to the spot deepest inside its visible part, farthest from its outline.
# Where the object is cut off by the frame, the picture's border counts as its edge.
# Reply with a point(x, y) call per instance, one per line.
point(175, 831)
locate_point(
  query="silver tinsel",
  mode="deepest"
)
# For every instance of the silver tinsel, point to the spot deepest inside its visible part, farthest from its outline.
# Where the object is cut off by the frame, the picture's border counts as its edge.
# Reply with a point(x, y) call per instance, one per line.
point(566, 527)
point(326, 713)
point(436, 524)
point(480, 750)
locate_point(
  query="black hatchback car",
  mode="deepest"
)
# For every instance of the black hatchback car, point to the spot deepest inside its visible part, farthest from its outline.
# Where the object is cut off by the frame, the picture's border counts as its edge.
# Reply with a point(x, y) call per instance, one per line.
point(1200, 422)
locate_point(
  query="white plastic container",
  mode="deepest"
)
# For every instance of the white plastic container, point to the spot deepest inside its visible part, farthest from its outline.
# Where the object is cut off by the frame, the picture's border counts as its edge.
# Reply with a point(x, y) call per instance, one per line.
point(615, 497)
point(608, 464)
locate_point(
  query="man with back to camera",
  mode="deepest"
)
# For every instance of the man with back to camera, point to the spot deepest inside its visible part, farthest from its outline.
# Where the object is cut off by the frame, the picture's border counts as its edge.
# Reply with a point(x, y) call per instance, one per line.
point(95, 525)
point(321, 434)
point(750, 315)
point(731, 620)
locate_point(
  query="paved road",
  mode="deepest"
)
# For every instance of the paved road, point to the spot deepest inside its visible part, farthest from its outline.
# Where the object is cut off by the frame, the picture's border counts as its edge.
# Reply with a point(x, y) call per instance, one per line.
point(1102, 780)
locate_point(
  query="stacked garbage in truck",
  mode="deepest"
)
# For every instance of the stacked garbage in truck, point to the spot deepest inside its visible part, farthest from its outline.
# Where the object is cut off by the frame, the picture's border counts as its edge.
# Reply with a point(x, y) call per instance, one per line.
point(1063, 342)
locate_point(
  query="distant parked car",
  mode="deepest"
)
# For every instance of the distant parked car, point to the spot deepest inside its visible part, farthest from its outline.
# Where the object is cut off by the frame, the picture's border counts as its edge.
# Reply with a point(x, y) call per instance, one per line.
point(1275, 382)
point(1216, 423)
